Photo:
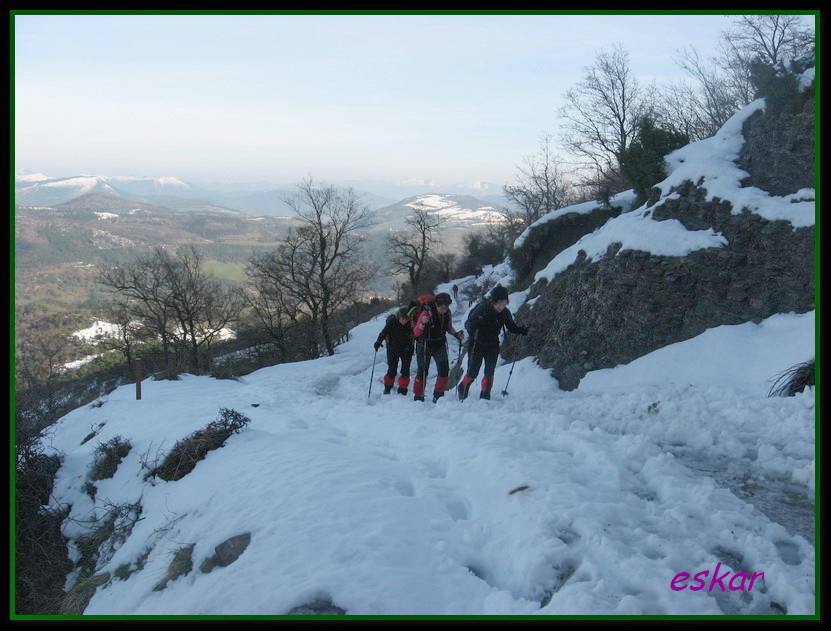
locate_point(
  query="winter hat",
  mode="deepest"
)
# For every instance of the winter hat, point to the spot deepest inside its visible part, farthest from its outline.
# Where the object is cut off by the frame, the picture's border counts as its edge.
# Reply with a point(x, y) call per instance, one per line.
point(443, 298)
point(499, 293)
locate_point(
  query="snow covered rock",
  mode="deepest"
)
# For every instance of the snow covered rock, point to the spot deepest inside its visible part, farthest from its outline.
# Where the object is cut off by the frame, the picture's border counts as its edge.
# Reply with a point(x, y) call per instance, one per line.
point(778, 152)
point(706, 250)
point(553, 233)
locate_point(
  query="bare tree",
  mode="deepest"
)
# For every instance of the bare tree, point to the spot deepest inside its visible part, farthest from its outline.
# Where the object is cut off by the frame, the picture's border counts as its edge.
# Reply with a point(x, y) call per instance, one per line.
point(718, 95)
point(184, 305)
point(321, 264)
point(38, 365)
point(775, 39)
point(201, 306)
point(277, 308)
point(142, 284)
point(540, 185)
point(410, 250)
point(602, 113)
point(722, 84)
point(539, 188)
point(129, 331)
point(446, 265)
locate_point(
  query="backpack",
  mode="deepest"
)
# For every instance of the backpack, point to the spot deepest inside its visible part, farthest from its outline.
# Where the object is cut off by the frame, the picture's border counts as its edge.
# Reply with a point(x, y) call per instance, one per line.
point(418, 304)
point(475, 313)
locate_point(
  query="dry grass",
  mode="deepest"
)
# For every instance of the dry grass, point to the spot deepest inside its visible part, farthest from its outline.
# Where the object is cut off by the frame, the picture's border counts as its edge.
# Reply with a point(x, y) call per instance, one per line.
point(180, 565)
point(77, 598)
point(795, 379)
point(187, 452)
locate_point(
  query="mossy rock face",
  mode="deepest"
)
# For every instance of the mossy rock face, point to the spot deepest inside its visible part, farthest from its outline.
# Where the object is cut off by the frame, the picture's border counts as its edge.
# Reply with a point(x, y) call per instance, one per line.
point(607, 311)
point(78, 597)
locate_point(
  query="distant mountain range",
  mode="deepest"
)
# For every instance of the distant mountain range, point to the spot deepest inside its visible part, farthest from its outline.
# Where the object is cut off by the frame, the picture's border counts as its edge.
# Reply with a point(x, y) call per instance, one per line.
point(66, 227)
point(260, 199)
point(82, 217)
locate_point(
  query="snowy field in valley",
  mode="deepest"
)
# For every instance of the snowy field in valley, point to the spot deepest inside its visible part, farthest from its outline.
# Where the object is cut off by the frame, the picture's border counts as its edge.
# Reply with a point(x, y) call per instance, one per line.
point(540, 502)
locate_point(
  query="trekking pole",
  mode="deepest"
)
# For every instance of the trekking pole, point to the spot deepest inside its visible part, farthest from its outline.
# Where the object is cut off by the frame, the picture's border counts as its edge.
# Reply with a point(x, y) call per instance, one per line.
point(372, 376)
point(459, 363)
point(505, 391)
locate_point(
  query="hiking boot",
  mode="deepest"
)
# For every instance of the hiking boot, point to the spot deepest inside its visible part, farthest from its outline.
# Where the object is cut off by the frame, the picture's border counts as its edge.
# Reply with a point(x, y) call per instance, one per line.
point(485, 395)
point(460, 390)
point(402, 390)
point(387, 389)
point(418, 398)
point(437, 396)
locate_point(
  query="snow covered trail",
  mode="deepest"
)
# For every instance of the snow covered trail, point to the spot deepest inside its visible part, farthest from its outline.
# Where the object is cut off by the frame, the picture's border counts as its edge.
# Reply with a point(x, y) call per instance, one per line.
point(541, 502)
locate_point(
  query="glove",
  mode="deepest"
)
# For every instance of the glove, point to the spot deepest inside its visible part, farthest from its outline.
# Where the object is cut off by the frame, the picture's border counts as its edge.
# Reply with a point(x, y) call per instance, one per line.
point(460, 335)
point(523, 330)
point(377, 345)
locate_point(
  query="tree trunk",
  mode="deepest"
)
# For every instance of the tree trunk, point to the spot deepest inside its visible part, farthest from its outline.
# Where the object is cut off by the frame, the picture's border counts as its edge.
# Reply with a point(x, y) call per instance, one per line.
point(327, 338)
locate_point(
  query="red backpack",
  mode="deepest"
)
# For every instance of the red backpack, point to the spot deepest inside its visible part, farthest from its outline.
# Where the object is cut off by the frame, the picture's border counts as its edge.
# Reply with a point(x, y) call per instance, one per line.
point(416, 306)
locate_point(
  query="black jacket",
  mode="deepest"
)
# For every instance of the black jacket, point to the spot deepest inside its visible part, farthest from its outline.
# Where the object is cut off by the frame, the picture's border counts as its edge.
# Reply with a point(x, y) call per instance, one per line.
point(398, 336)
point(484, 324)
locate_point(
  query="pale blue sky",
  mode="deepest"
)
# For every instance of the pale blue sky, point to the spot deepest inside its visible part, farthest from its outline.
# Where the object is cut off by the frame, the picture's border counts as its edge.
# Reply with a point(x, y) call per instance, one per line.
point(275, 97)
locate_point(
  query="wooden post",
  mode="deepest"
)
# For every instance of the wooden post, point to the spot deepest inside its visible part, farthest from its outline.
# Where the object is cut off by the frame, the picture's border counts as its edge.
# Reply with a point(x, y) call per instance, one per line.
point(138, 379)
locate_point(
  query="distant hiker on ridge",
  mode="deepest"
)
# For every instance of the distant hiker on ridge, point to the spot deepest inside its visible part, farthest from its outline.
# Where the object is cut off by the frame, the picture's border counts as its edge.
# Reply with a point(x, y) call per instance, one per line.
point(434, 322)
point(398, 334)
point(456, 293)
point(484, 324)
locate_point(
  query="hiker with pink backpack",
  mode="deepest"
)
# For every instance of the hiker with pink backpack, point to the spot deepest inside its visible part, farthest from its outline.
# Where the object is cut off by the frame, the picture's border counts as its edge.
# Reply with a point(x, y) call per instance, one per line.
point(432, 320)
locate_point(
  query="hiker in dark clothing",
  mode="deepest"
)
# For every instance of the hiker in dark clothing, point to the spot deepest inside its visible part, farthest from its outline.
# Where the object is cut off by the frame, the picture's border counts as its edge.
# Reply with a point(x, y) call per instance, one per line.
point(456, 293)
point(398, 335)
point(434, 322)
point(484, 324)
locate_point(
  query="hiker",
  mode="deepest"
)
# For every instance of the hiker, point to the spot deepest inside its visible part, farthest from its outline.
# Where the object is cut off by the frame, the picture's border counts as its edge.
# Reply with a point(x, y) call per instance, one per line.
point(434, 321)
point(398, 335)
point(456, 293)
point(484, 324)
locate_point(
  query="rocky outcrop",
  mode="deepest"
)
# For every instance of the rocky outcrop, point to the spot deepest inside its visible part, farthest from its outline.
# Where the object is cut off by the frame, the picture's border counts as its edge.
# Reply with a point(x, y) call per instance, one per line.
point(778, 149)
point(323, 607)
point(226, 552)
point(544, 242)
point(603, 312)
point(599, 314)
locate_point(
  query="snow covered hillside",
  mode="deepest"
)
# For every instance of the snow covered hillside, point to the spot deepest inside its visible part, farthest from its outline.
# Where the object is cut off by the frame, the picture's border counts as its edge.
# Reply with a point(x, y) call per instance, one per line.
point(457, 211)
point(538, 502)
point(39, 189)
point(656, 477)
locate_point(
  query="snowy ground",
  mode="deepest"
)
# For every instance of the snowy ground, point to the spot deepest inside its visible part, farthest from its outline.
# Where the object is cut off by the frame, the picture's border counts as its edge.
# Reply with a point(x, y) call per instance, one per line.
point(538, 502)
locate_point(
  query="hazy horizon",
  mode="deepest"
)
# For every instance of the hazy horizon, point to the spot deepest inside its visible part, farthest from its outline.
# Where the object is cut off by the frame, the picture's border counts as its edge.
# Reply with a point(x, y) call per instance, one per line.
point(452, 99)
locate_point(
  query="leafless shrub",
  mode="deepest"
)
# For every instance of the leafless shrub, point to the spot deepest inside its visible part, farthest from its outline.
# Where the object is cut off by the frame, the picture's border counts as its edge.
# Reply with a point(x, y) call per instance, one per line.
point(107, 534)
point(107, 458)
point(187, 452)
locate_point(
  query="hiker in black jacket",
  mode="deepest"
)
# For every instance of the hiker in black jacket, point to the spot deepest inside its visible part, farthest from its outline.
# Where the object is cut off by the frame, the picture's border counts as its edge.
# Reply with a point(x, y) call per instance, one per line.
point(398, 334)
point(484, 324)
